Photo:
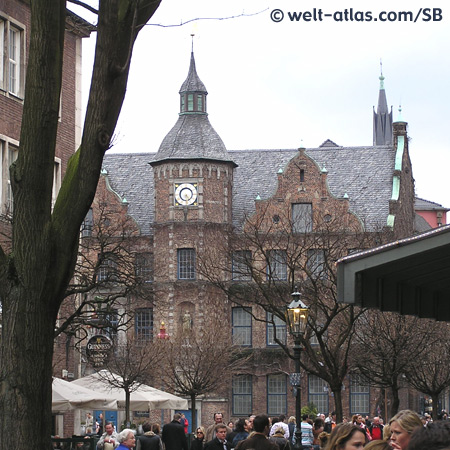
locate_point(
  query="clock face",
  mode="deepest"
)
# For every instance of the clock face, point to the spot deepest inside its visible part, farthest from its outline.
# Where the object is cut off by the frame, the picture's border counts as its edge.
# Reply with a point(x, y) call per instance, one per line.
point(186, 194)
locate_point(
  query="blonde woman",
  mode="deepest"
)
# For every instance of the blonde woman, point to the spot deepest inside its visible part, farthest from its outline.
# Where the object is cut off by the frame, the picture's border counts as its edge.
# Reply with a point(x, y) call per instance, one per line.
point(402, 425)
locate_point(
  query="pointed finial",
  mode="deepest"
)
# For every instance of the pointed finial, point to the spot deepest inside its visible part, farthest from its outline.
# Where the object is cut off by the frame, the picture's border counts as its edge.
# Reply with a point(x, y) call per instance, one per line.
point(381, 78)
point(192, 45)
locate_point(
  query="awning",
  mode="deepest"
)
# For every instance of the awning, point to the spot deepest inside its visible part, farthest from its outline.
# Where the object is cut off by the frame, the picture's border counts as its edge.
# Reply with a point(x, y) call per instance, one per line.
point(67, 396)
point(143, 398)
point(410, 276)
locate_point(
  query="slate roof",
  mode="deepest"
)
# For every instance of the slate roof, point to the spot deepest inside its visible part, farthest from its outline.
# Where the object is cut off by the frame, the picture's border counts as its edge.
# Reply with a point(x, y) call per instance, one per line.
point(192, 137)
point(193, 82)
point(420, 204)
point(363, 173)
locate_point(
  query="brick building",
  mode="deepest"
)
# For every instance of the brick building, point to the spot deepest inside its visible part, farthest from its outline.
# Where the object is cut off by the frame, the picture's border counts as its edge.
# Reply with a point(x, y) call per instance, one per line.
point(195, 202)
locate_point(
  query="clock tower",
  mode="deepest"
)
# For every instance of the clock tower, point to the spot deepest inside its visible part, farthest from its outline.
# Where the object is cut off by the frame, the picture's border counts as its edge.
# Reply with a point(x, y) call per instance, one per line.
point(193, 176)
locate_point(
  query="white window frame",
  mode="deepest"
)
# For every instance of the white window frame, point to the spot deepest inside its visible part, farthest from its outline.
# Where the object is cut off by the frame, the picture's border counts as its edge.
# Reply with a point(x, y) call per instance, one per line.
point(9, 150)
point(56, 180)
point(12, 57)
point(277, 267)
point(2, 53)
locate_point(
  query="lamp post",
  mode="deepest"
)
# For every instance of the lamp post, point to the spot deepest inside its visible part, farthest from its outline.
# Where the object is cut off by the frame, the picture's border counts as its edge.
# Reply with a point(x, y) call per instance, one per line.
point(296, 319)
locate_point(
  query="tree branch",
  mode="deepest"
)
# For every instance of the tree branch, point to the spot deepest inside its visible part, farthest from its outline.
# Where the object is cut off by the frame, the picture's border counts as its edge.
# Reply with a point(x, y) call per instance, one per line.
point(206, 18)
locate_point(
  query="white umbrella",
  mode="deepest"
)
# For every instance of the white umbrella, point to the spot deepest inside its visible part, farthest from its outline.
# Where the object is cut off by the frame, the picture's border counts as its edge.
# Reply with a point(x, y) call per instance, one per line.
point(68, 395)
point(142, 399)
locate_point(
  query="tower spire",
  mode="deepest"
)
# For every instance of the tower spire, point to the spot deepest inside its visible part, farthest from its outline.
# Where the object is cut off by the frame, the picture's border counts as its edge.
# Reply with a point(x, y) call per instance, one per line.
point(382, 118)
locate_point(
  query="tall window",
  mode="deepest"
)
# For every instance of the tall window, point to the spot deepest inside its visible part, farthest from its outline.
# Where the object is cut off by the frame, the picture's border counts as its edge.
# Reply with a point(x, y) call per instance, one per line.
point(359, 394)
point(318, 393)
point(144, 266)
point(14, 60)
point(143, 325)
point(316, 263)
point(242, 395)
point(9, 153)
point(11, 55)
point(107, 270)
point(108, 324)
point(2, 51)
point(190, 102)
point(241, 265)
point(56, 180)
point(277, 326)
point(302, 217)
point(88, 224)
point(241, 326)
point(277, 265)
point(186, 263)
point(276, 394)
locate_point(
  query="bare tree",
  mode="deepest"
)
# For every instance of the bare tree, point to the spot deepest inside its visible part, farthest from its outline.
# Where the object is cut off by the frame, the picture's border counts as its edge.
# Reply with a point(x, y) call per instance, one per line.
point(132, 364)
point(269, 258)
point(384, 343)
point(197, 362)
point(428, 370)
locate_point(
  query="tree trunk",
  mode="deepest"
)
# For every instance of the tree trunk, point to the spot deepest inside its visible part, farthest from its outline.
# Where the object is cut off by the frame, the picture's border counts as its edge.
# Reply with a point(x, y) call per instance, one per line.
point(337, 392)
point(435, 400)
point(128, 418)
point(193, 414)
point(27, 350)
point(395, 400)
point(34, 277)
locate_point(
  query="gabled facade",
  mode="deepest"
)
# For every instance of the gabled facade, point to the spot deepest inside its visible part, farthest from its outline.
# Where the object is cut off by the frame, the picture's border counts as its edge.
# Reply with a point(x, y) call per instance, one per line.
point(194, 199)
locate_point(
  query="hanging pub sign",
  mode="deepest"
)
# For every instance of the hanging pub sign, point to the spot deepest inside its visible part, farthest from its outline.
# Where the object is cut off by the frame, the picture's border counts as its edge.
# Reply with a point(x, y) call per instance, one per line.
point(98, 350)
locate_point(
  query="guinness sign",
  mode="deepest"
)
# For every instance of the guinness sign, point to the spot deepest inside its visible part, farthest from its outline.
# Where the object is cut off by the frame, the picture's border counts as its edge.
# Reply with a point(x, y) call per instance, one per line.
point(98, 350)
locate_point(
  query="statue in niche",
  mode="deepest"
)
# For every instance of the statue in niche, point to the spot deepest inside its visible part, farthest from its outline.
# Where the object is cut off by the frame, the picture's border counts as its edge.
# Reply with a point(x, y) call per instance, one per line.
point(186, 322)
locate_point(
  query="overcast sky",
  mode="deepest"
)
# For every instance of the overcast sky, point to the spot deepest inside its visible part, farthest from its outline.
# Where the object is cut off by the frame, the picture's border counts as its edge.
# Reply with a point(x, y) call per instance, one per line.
point(281, 84)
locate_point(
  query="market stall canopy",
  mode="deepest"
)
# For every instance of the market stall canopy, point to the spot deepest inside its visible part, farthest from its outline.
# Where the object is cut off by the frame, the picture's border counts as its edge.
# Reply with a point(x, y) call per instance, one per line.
point(410, 276)
point(68, 395)
point(142, 399)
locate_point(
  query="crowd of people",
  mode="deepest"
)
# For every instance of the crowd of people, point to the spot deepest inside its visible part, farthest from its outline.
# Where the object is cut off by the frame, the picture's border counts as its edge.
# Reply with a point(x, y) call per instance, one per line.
point(405, 431)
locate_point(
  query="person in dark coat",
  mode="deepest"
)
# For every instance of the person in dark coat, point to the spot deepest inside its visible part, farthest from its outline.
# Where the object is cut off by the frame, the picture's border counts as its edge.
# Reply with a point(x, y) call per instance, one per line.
point(150, 439)
point(240, 433)
point(173, 435)
point(259, 440)
point(199, 439)
point(220, 441)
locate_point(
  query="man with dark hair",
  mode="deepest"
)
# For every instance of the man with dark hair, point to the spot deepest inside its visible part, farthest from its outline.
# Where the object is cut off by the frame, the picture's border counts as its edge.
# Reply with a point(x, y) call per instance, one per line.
point(149, 440)
point(173, 435)
point(258, 440)
point(435, 436)
point(220, 441)
point(109, 439)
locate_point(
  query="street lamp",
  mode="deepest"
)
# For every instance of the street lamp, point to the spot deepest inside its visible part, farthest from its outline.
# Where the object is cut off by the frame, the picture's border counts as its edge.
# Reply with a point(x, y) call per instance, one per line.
point(296, 319)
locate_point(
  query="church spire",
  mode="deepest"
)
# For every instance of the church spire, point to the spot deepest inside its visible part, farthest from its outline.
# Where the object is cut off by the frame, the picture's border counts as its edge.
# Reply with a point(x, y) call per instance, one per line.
point(382, 118)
